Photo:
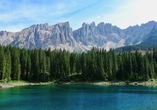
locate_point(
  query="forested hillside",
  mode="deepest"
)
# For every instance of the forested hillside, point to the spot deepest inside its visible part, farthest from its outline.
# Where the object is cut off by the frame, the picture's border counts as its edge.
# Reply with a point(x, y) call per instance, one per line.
point(140, 47)
point(95, 65)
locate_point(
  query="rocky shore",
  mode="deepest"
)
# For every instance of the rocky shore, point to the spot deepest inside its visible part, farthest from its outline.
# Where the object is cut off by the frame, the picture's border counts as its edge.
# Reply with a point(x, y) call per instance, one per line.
point(22, 83)
point(144, 83)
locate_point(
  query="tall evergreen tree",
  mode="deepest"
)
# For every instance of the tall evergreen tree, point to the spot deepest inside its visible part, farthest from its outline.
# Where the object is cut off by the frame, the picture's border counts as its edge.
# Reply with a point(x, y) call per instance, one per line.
point(35, 65)
point(2, 63)
point(8, 65)
point(73, 62)
point(84, 66)
point(23, 62)
point(15, 71)
point(28, 67)
point(109, 65)
point(100, 68)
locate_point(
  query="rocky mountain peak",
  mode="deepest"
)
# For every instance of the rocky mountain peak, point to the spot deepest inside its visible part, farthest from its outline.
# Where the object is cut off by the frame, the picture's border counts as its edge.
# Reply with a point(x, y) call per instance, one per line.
point(66, 24)
point(148, 24)
point(61, 35)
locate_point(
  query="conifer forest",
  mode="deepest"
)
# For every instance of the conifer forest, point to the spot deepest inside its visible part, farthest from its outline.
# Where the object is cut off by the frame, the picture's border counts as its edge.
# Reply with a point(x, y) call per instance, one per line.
point(95, 65)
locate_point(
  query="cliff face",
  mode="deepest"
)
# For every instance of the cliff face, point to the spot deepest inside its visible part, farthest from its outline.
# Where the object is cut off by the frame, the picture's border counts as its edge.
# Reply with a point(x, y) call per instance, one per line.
point(151, 38)
point(108, 36)
point(62, 36)
point(99, 36)
point(45, 36)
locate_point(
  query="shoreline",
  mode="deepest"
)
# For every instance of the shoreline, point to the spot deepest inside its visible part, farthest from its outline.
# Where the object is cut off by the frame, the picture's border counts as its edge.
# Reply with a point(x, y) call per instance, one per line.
point(141, 83)
point(103, 83)
point(22, 83)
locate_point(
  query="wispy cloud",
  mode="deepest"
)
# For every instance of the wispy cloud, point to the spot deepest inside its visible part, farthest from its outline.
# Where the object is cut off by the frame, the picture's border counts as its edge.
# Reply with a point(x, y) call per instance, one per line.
point(16, 14)
point(132, 12)
point(28, 12)
point(145, 10)
point(122, 15)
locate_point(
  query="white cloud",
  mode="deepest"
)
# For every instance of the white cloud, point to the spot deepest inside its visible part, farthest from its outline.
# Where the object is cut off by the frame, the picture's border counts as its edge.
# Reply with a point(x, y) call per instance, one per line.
point(145, 10)
point(122, 14)
point(131, 12)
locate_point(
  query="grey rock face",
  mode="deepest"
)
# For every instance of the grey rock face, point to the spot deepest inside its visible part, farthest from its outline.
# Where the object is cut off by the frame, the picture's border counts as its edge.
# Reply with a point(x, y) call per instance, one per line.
point(92, 35)
point(136, 34)
point(108, 36)
point(61, 35)
point(43, 36)
point(151, 38)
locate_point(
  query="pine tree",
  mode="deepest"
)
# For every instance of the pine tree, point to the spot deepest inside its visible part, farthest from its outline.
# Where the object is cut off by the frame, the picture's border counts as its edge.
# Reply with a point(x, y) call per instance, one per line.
point(120, 73)
point(42, 65)
point(78, 63)
point(83, 64)
point(100, 68)
point(15, 71)
point(28, 67)
point(115, 66)
point(130, 68)
point(8, 65)
point(2, 63)
point(104, 55)
point(23, 62)
point(35, 65)
point(47, 73)
point(147, 67)
point(73, 63)
point(109, 65)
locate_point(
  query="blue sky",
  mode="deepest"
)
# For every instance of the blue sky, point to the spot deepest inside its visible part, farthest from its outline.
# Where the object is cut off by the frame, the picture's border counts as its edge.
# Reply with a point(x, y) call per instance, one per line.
point(16, 15)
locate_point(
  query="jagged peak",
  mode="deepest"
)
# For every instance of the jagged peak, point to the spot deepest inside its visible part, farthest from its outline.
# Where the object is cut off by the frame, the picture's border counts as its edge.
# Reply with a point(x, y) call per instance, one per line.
point(92, 24)
point(36, 25)
point(90, 34)
point(63, 24)
point(47, 26)
point(152, 21)
point(149, 23)
point(101, 23)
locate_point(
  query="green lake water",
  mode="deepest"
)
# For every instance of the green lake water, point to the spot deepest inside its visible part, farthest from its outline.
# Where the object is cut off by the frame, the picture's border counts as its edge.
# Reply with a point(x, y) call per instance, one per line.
point(78, 97)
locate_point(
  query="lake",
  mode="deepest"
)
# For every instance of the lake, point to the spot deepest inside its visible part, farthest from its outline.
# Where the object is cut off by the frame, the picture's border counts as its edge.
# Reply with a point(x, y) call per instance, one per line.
point(78, 97)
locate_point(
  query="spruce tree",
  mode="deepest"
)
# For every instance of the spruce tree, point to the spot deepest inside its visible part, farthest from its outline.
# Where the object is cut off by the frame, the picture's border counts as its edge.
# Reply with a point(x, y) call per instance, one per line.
point(2, 63)
point(28, 67)
point(23, 62)
point(100, 68)
point(8, 65)
point(35, 65)
point(15, 71)
point(84, 65)
point(73, 62)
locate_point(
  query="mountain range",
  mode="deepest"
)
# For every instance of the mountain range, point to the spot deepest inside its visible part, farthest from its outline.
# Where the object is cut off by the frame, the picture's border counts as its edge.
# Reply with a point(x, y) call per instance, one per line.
point(62, 36)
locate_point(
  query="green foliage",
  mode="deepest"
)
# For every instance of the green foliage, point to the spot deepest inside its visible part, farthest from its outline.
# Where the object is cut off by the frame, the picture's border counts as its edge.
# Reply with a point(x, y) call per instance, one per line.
point(7, 65)
point(95, 65)
point(15, 70)
point(2, 63)
point(139, 47)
